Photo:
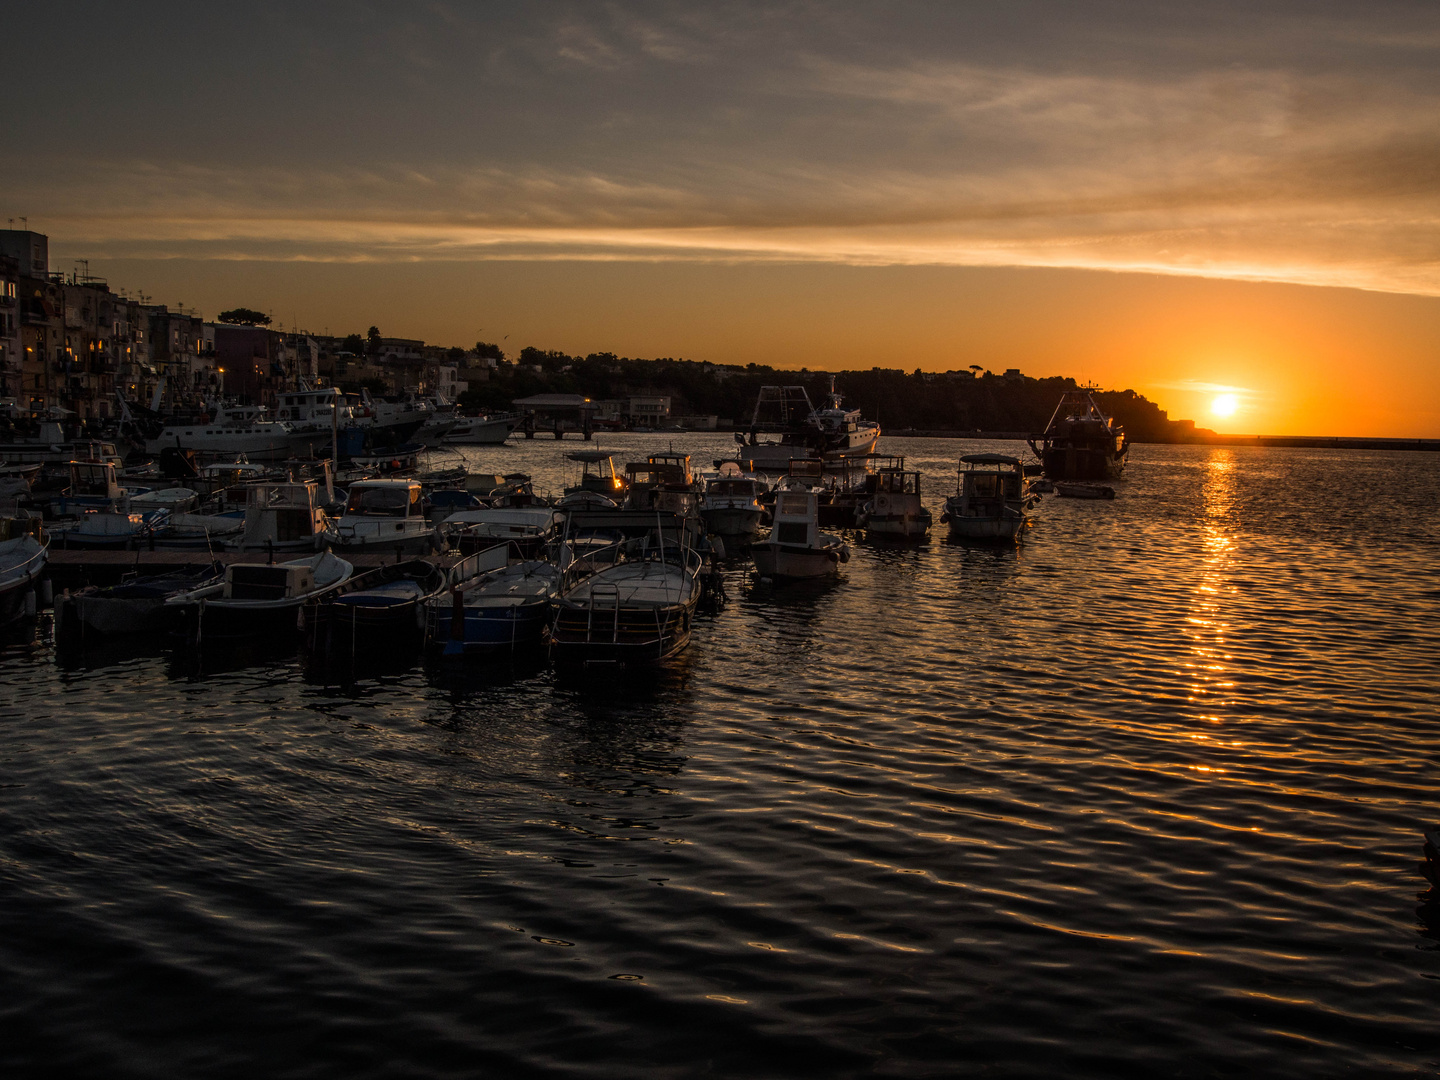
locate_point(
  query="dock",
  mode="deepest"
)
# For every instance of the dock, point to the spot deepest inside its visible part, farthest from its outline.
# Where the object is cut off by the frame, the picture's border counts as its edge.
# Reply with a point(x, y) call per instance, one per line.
point(76, 569)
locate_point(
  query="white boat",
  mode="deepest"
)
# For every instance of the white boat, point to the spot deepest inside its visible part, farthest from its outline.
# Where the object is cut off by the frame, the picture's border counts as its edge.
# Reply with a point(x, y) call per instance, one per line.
point(636, 608)
point(528, 528)
point(104, 530)
point(234, 430)
point(664, 482)
point(992, 499)
point(481, 430)
point(22, 561)
point(282, 516)
point(806, 433)
point(383, 515)
point(895, 511)
point(258, 598)
point(796, 548)
point(731, 507)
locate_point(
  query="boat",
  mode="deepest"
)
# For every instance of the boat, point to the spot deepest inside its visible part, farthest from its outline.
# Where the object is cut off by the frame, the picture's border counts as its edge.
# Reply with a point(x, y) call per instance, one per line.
point(632, 602)
point(492, 604)
point(22, 561)
point(102, 530)
point(208, 531)
point(1081, 442)
point(489, 430)
point(806, 433)
point(383, 515)
point(258, 598)
point(282, 516)
point(528, 528)
point(795, 547)
point(132, 607)
point(53, 453)
point(992, 499)
point(597, 474)
point(384, 607)
point(895, 511)
point(1085, 491)
point(233, 430)
point(663, 481)
point(731, 507)
point(94, 485)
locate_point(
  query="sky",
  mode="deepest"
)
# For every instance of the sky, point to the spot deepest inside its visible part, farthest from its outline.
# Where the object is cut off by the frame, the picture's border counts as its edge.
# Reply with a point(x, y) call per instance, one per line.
point(1196, 201)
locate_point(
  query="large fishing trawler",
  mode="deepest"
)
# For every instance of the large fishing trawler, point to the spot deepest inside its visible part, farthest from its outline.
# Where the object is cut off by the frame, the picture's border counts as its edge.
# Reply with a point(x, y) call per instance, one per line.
point(1081, 442)
point(806, 433)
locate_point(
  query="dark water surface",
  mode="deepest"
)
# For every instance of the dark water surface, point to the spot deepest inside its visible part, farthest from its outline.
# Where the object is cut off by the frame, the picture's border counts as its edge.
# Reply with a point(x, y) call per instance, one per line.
point(1141, 798)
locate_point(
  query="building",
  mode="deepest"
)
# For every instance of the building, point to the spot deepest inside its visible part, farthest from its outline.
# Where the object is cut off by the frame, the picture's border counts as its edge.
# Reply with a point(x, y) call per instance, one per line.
point(649, 411)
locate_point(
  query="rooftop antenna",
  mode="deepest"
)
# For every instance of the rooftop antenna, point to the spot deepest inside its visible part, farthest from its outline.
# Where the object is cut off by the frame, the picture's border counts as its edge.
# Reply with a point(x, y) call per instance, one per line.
point(25, 221)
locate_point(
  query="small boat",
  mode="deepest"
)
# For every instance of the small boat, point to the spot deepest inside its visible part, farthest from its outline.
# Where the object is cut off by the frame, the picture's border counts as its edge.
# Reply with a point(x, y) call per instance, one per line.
point(992, 499)
point(1084, 491)
point(105, 530)
point(663, 482)
point(633, 609)
point(258, 598)
point(732, 507)
point(492, 604)
point(597, 475)
point(895, 511)
point(132, 607)
point(383, 515)
point(384, 607)
point(173, 500)
point(22, 561)
point(796, 548)
point(199, 531)
point(528, 528)
point(1081, 442)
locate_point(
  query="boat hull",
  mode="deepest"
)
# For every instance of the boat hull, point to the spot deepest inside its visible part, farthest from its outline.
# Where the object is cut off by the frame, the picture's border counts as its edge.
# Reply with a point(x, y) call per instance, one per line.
point(1101, 461)
point(740, 522)
point(491, 629)
point(491, 432)
point(785, 561)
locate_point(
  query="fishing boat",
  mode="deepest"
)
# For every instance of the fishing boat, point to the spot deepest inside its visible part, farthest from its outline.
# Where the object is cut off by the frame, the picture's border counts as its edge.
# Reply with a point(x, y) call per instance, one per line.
point(731, 507)
point(597, 474)
point(258, 598)
point(804, 431)
point(105, 530)
point(94, 485)
point(282, 516)
point(384, 608)
point(795, 547)
point(132, 607)
point(210, 532)
point(489, 430)
point(1081, 442)
point(528, 528)
point(22, 561)
point(992, 499)
point(492, 604)
point(632, 604)
point(895, 511)
point(665, 482)
point(383, 515)
point(233, 430)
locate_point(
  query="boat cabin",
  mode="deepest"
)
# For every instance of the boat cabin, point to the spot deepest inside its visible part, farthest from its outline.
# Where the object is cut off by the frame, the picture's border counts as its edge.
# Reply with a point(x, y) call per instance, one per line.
point(797, 519)
point(250, 581)
point(283, 515)
point(597, 474)
point(384, 498)
point(94, 481)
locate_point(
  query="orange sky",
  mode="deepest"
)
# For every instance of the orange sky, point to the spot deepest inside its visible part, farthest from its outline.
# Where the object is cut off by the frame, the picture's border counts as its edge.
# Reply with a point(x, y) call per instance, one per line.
point(1302, 359)
point(1188, 199)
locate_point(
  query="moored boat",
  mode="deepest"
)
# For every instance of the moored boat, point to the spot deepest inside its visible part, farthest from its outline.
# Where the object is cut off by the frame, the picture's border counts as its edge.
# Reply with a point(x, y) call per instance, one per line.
point(22, 561)
point(795, 547)
point(731, 507)
point(992, 499)
point(132, 607)
point(258, 598)
point(381, 608)
point(895, 510)
point(805, 432)
point(383, 515)
point(1081, 442)
point(492, 604)
point(491, 430)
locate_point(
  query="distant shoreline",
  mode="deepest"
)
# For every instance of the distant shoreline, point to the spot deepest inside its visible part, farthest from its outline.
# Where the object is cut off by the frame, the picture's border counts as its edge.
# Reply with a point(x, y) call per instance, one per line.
point(1331, 442)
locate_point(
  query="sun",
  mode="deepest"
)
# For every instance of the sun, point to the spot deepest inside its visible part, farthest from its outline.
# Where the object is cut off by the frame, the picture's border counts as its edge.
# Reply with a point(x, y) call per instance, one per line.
point(1225, 405)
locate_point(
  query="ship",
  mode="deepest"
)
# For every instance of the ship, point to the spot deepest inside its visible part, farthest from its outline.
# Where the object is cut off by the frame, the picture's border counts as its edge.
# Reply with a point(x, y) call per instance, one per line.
point(1081, 442)
point(806, 433)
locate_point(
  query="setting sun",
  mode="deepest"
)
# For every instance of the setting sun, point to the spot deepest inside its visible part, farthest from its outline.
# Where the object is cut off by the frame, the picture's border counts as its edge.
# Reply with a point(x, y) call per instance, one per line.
point(1225, 405)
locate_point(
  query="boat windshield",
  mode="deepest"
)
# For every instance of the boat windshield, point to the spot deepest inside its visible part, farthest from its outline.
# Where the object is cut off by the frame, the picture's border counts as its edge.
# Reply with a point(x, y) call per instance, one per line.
point(382, 502)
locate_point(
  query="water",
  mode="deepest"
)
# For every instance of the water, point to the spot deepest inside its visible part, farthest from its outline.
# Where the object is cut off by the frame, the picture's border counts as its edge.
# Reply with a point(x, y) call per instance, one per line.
point(1143, 797)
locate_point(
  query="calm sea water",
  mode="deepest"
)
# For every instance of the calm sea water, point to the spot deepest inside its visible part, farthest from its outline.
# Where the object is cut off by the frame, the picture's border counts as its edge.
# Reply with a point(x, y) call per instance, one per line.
point(1143, 797)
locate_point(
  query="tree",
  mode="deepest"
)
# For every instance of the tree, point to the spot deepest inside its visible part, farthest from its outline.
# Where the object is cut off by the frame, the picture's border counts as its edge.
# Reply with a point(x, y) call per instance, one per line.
point(354, 343)
point(373, 335)
point(488, 350)
point(244, 316)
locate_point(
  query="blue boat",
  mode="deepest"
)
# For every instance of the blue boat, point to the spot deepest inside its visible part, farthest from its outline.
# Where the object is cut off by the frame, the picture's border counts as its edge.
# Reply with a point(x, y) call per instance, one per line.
point(492, 604)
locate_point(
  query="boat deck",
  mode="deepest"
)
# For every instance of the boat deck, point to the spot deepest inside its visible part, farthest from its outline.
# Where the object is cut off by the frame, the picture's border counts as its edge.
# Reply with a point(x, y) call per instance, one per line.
point(654, 584)
point(77, 569)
